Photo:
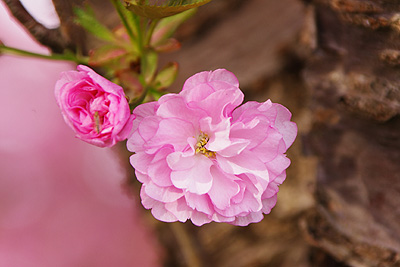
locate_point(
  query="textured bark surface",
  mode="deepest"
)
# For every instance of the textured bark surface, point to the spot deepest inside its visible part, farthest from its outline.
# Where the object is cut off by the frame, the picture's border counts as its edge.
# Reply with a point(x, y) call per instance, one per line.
point(69, 36)
point(353, 77)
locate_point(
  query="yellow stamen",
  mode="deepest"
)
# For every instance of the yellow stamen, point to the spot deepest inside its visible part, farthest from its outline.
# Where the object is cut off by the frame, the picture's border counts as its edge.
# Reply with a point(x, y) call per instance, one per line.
point(202, 141)
point(97, 121)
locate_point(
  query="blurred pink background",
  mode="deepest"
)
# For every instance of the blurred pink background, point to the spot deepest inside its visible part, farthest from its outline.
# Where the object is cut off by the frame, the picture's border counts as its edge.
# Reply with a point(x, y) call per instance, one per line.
point(61, 200)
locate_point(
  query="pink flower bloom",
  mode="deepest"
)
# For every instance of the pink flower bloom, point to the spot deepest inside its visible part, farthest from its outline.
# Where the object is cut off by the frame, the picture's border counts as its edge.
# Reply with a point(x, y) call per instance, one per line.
point(203, 158)
point(95, 108)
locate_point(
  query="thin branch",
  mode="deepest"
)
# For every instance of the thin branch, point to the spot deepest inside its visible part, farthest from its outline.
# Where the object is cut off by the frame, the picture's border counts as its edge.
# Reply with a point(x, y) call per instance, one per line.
point(185, 245)
point(124, 21)
point(153, 25)
point(19, 52)
point(52, 38)
point(73, 34)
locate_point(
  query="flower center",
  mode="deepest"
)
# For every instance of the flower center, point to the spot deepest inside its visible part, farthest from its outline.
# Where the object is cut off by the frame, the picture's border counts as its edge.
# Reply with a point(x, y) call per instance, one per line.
point(97, 123)
point(202, 141)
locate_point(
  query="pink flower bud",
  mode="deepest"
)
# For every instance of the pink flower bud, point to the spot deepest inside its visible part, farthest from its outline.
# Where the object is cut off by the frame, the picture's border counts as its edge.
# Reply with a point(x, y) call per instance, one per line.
point(95, 108)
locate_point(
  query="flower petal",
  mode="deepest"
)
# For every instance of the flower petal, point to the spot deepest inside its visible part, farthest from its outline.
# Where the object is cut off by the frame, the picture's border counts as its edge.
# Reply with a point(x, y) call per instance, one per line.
point(197, 179)
point(269, 203)
point(167, 133)
point(157, 208)
point(200, 203)
point(140, 161)
point(180, 209)
point(175, 107)
point(199, 218)
point(245, 162)
point(253, 217)
point(223, 189)
point(162, 194)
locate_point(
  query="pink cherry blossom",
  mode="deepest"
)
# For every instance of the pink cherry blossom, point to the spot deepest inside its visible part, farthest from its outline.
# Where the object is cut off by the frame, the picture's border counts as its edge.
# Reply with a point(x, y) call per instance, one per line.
point(201, 156)
point(95, 108)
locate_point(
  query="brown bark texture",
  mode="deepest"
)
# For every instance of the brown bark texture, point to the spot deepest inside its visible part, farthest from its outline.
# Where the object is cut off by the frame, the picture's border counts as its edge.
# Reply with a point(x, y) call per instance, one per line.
point(69, 36)
point(354, 77)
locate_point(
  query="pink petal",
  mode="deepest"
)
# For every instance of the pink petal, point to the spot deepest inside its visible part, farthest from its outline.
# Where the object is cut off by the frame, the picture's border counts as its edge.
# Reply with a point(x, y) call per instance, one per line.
point(268, 149)
point(269, 203)
point(161, 213)
point(162, 194)
point(223, 189)
point(105, 84)
point(175, 107)
point(157, 208)
point(208, 76)
point(200, 203)
point(277, 166)
point(284, 125)
point(253, 217)
point(245, 162)
point(199, 218)
point(135, 142)
point(247, 110)
point(140, 161)
point(219, 218)
point(218, 133)
point(180, 209)
point(197, 179)
point(159, 171)
point(148, 127)
point(240, 195)
point(195, 80)
point(177, 161)
point(204, 83)
point(249, 204)
point(172, 131)
point(197, 93)
point(253, 129)
point(270, 191)
point(143, 178)
point(221, 103)
point(143, 111)
point(224, 75)
point(234, 149)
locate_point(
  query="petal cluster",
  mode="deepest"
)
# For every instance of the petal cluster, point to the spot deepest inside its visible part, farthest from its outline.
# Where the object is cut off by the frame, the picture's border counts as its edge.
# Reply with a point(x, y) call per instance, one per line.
point(202, 156)
point(95, 108)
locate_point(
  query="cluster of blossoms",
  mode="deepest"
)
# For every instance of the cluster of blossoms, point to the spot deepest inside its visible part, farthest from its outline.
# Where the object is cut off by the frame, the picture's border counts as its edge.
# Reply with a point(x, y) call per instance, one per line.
point(199, 154)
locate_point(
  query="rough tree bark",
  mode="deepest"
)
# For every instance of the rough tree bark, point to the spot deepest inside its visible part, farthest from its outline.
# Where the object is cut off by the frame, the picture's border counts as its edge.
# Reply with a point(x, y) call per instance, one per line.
point(354, 80)
point(69, 36)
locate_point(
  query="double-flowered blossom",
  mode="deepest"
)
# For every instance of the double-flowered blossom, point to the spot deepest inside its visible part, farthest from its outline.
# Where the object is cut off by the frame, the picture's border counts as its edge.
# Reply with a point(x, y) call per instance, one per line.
point(94, 107)
point(201, 156)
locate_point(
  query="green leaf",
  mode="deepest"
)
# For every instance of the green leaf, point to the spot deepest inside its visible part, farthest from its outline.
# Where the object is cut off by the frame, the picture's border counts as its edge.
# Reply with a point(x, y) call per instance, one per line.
point(129, 20)
point(167, 27)
point(162, 8)
point(167, 75)
point(149, 66)
point(105, 54)
point(168, 45)
point(129, 80)
point(87, 20)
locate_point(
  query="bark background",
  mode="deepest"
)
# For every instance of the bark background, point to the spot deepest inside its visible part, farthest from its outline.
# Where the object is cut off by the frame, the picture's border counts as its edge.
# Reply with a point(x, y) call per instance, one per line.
point(335, 65)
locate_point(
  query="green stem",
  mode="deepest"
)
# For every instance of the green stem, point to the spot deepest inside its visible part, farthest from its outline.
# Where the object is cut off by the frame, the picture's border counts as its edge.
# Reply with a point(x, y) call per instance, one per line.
point(117, 6)
point(141, 24)
point(153, 25)
point(20, 52)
